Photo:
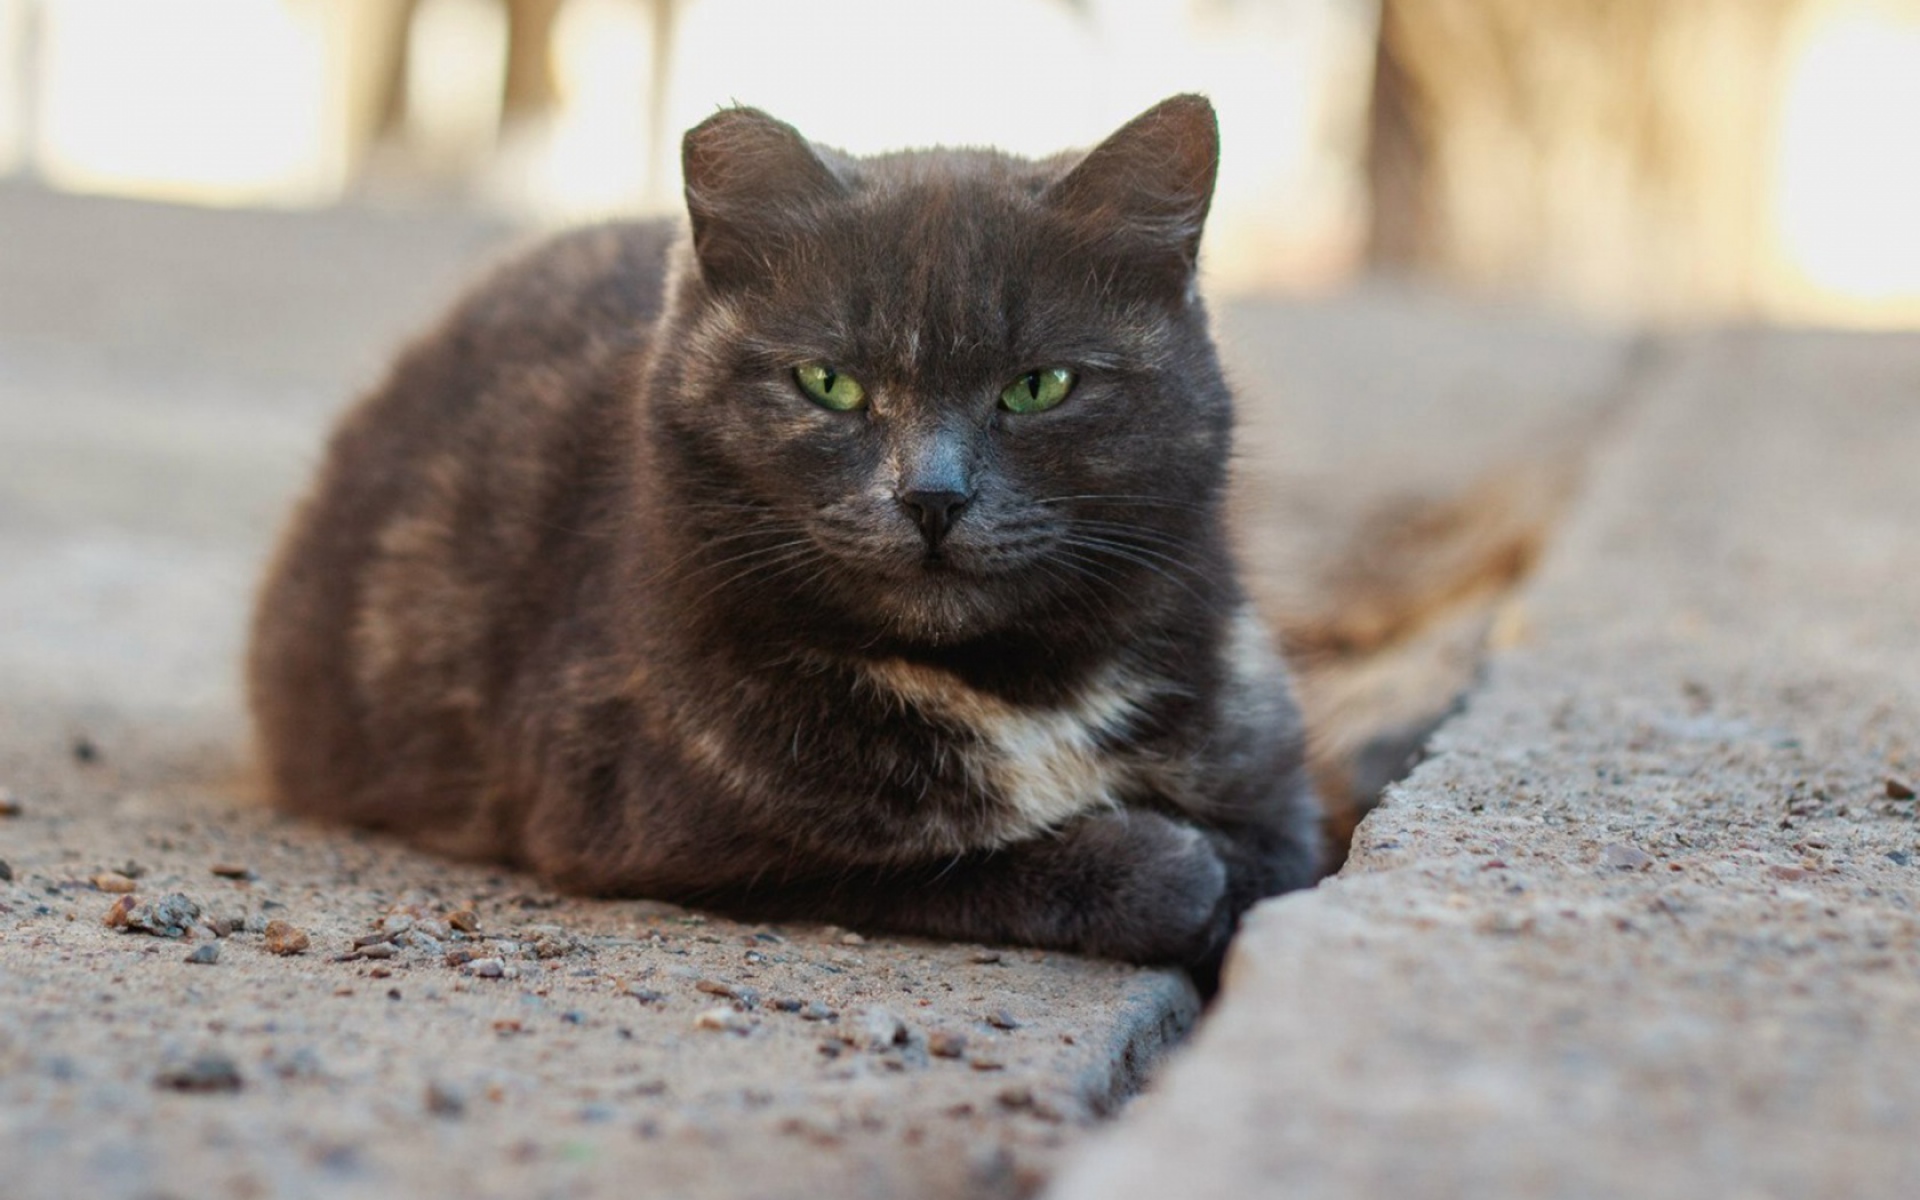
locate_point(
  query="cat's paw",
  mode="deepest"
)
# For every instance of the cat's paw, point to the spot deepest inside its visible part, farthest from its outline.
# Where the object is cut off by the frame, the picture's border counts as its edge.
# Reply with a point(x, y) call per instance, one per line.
point(1166, 897)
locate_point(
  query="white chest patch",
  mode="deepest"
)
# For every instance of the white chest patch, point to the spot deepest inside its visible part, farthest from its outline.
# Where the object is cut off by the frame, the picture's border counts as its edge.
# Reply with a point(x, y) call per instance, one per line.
point(1046, 764)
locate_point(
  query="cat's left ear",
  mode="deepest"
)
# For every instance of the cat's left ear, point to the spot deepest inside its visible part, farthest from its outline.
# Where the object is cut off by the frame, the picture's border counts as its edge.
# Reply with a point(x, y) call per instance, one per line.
point(1147, 188)
point(752, 182)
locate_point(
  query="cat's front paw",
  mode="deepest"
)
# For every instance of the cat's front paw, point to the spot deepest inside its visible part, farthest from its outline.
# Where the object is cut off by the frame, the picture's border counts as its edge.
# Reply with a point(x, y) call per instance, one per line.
point(1165, 890)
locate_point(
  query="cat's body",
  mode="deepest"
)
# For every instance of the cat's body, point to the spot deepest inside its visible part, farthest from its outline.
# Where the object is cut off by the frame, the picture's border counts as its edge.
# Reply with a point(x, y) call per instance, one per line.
point(593, 585)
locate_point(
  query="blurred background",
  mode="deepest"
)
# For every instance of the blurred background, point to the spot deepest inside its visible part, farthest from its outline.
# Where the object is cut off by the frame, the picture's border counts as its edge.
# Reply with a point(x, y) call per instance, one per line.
point(1640, 160)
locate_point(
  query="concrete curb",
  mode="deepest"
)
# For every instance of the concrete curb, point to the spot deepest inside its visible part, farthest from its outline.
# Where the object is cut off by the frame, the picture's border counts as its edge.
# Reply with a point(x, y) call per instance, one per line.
point(1648, 922)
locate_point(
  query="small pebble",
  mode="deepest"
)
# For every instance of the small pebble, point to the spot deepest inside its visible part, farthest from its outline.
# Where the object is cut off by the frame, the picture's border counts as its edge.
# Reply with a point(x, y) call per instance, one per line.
point(84, 750)
point(645, 995)
point(285, 938)
point(1900, 858)
point(816, 1011)
point(879, 1029)
point(6, 871)
point(785, 1004)
point(444, 1100)
point(550, 941)
point(1015, 1095)
point(9, 804)
point(170, 916)
point(852, 939)
point(231, 871)
point(203, 1073)
point(985, 956)
point(724, 1019)
point(945, 1043)
point(464, 919)
point(1000, 1018)
point(206, 954)
point(715, 987)
point(1622, 857)
point(118, 912)
point(113, 882)
point(487, 968)
point(1899, 789)
point(376, 950)
point(983, 1062)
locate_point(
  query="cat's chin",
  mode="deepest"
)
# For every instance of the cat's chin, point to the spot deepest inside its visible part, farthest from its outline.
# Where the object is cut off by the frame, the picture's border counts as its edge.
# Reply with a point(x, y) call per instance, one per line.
point(941, 606)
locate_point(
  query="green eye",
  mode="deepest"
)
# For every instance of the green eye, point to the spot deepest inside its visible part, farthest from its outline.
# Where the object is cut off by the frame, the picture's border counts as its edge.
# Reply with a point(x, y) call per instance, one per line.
point(829, 388)
point(1038, 391)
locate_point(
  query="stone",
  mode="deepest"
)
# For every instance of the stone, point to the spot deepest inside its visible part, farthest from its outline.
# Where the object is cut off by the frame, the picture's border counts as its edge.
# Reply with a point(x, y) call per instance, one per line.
point(208, 1072)
point(171, 916)
point(284, 938)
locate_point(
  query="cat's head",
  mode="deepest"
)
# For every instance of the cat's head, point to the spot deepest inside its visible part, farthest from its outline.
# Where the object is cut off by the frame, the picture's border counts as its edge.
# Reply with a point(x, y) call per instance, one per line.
point(934, 393)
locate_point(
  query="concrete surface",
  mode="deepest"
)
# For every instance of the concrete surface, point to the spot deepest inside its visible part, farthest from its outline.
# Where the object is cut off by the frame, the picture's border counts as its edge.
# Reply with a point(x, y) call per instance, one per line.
point(165, 378)
point(1647, 924)
point(587, 1048)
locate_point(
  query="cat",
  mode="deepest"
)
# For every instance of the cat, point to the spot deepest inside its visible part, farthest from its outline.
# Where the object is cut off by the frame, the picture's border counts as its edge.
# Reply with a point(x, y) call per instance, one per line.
point(853, 551)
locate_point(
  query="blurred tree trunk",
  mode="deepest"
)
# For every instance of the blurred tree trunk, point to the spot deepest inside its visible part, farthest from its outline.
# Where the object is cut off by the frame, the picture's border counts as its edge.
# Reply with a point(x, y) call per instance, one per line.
point(531, 90)
point(1610, 153)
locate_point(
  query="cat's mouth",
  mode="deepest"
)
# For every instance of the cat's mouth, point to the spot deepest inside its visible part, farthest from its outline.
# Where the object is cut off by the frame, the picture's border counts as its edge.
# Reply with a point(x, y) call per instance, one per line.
point(943, 595)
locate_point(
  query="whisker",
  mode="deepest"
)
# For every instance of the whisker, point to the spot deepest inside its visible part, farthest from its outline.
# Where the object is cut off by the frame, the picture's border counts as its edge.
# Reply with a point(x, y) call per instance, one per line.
point(1143, 501)
point(1142, 532)
point(703, 568)
point(805, 555)
point(1145, 559)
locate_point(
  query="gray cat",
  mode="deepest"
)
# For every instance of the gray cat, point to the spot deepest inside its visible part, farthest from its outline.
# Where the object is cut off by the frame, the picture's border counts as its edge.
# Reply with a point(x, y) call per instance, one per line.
point(858, 556)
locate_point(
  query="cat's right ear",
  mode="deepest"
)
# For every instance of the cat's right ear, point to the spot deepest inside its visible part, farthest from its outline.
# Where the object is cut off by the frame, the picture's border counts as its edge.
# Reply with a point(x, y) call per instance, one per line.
point(1147, 188)
point(751, 183)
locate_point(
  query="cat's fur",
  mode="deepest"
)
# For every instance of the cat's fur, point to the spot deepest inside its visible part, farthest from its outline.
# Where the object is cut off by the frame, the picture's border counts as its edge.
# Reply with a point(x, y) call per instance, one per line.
point(590, 585)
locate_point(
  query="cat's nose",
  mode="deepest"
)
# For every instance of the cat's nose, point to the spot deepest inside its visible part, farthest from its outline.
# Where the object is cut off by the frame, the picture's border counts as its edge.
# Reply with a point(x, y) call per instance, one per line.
point(934, 512)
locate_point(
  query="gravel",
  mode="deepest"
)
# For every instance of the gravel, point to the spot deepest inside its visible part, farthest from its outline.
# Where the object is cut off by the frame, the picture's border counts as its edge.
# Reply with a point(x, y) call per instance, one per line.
point(170, 916)
point(286, 939)
point(878, 1028)
point(206, 1072)
point(724, 1019)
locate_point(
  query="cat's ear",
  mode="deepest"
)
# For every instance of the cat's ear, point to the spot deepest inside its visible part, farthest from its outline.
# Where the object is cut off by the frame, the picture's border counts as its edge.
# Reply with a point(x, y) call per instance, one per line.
point(751, 182)
point(1146, 189)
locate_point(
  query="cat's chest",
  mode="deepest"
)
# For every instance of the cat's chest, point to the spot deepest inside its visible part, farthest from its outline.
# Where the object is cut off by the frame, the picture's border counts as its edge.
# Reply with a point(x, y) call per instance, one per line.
point(1041, 765)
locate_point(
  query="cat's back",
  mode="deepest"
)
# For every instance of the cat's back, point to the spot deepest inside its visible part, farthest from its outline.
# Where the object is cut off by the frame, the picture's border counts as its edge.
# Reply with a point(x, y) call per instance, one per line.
point(449, 513)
